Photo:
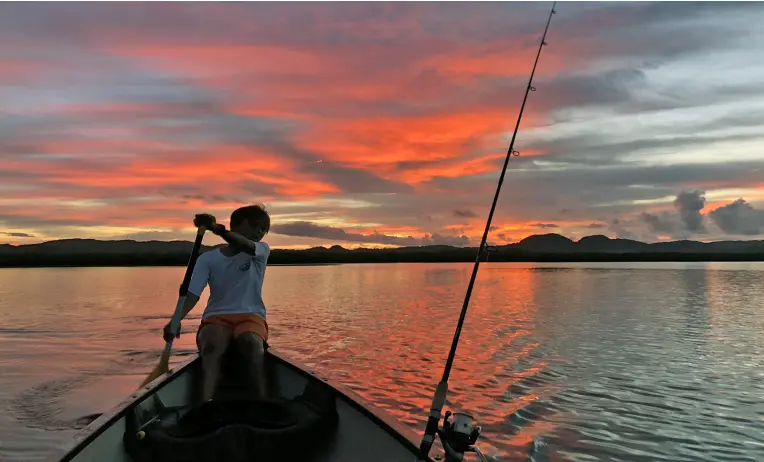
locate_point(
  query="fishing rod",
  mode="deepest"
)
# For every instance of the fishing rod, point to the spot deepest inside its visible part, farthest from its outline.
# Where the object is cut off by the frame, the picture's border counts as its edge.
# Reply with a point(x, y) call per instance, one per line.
point(459, 436)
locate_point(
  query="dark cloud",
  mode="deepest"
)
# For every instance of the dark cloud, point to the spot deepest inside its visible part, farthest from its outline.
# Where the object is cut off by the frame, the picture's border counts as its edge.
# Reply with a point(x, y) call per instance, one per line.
point(599, 193)
point(612, 189)
point(596, 226)
point(43, 221)
point(739, 217)
point(659, 224)
point(736, 218)
point(18, 234)
point(689, 204)
point(347, 179)
point(545, 225)
point(306, 229)
point(440, 239)
point(682, 223)
point(610, 89)
point(298, 24)
point(354, 180)
point(621, 229)
point(654, 29)
point(464, 213)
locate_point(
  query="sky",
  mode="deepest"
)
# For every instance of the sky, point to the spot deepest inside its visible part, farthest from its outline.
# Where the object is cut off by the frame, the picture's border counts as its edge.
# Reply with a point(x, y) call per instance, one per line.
point(381, 124)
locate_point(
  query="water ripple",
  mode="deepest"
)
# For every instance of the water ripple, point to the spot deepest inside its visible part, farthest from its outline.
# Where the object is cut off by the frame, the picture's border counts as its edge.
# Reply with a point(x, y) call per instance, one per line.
point(557, 362)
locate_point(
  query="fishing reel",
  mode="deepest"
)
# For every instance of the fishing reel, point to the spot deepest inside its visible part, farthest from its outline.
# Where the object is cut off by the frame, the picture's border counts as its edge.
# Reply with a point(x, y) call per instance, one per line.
point(459, 437)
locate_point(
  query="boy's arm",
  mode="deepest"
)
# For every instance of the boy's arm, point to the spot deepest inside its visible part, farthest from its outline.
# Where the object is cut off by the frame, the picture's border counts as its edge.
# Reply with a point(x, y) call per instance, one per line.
point(189, 304)
point(236, 240)
point(199, 280)
point(251, 247)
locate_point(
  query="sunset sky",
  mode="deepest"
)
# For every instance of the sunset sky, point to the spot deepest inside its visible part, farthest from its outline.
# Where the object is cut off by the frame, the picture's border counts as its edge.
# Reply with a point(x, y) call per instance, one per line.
point(381, 123)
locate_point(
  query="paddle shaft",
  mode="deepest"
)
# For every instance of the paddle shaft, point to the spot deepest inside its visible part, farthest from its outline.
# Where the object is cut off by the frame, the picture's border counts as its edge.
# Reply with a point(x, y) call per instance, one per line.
point(183, 291)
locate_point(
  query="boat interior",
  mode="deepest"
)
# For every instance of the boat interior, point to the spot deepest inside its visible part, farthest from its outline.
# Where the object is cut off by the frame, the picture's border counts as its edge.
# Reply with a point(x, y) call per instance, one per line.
point(305, 418)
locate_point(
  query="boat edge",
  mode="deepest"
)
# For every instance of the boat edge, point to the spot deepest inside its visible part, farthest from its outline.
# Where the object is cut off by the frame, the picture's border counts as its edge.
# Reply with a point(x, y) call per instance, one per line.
point(99, 425)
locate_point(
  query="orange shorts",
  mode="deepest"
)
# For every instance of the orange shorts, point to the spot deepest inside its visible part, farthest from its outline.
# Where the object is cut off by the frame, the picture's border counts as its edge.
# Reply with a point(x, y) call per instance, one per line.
point(239, 324)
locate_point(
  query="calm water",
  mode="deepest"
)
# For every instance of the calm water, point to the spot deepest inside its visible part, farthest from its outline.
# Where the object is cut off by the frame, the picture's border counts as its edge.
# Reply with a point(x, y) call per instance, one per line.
point(619, 362)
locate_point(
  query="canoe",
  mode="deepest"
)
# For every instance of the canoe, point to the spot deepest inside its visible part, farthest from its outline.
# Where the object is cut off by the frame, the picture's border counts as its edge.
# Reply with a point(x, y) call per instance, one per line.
point(306, 417)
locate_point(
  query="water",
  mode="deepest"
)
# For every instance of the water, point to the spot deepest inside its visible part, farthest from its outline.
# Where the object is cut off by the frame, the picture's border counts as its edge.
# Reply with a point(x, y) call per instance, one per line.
point(558, 362)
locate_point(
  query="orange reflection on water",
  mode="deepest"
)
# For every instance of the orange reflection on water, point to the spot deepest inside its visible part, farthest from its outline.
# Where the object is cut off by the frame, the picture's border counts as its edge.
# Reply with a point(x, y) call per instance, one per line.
point(397, 324)
point(382, 330)
point(593, 361)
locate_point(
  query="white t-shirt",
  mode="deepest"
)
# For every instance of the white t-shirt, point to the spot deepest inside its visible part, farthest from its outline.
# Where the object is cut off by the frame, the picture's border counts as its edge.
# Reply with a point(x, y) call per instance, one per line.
point(235, 282)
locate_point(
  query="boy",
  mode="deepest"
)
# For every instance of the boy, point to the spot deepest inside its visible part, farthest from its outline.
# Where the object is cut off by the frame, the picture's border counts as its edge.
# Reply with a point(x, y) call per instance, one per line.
point(235, 310)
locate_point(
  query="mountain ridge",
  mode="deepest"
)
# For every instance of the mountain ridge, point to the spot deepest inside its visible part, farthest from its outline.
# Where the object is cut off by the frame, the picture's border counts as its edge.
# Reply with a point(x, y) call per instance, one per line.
point(537, 247)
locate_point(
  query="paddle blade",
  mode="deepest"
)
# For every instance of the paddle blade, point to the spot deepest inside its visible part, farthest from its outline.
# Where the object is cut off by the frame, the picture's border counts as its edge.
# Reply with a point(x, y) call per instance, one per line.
point(159, 370)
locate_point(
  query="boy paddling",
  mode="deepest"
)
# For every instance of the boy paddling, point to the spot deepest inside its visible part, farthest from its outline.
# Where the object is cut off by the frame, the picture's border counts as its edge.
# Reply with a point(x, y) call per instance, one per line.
point(235, 310)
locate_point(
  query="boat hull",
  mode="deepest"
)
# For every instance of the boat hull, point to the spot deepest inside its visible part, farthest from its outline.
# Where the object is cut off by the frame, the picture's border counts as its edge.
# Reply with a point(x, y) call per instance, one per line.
point(362, 433)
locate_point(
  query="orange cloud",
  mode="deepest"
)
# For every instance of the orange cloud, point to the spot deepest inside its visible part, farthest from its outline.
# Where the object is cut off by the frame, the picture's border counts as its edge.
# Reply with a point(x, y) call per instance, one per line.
point(215, 169)
point(388, 96)
point(302, 82)
point(437, 145)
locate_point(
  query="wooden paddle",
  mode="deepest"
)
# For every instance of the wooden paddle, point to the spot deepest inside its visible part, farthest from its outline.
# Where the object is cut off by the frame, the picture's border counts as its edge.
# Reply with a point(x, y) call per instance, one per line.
point(164, 361)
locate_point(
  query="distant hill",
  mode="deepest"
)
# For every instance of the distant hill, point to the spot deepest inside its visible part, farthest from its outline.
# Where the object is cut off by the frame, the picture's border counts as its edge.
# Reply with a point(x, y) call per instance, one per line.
point(542, 247)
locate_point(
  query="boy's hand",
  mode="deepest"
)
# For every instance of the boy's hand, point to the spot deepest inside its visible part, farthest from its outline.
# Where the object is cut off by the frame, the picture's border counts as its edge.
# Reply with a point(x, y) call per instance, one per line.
point(167, 334)
point(206, 220)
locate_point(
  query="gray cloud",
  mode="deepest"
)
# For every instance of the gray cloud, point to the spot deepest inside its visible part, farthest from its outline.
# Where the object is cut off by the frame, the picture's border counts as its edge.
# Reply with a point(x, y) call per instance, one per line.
point(464, 213)
point(593, 149)
point(355, 181)
point(736, 218)
point(689, 204)
point(44, 222)
point(739, 217)
point(297, 24)
point(306, 229)
point(659, 224)
point(685, 221)
point(621, 229)
point(545, 225)
point(538, 194)
point(596, 226)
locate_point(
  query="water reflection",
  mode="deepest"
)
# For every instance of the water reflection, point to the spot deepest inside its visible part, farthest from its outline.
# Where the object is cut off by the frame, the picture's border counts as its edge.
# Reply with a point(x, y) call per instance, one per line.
point(557, 362)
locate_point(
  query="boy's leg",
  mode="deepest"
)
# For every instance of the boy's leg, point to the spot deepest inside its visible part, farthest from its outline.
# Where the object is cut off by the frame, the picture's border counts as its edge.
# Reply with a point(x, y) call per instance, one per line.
point(252, 349)
point(213, 340)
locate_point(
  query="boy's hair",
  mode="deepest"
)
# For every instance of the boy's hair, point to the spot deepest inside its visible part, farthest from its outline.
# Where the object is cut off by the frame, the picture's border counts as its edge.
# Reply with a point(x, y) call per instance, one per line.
point(253, 214)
